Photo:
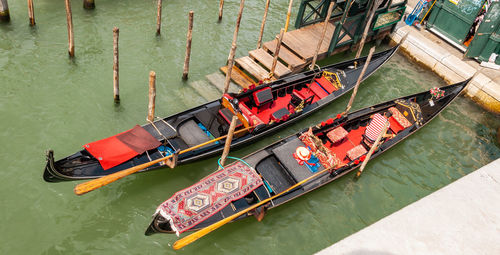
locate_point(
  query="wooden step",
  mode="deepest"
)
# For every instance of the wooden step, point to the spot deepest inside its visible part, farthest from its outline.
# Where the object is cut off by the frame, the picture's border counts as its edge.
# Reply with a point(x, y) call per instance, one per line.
point(217, 80)
point(261, 56)
point(305, 40)
point(254, 69)
point(295, 63)
point(239, 77)
point(206, 90)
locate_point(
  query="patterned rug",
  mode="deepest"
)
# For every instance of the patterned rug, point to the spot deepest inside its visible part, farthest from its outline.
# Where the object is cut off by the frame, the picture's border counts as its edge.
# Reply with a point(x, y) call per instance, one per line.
point(190, 206)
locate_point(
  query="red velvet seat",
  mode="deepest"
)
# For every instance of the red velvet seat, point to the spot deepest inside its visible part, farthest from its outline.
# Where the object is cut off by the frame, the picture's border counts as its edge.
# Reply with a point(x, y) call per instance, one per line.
point(318, 90)
point(326, 84)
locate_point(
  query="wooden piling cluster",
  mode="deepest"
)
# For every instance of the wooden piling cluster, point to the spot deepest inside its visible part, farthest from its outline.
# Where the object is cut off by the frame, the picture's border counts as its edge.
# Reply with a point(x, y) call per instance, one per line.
point(188, 46)
point(4, 11)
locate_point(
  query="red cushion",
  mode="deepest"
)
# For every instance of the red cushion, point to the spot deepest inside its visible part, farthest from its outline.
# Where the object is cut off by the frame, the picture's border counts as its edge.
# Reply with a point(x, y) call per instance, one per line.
point(305, 93)
point(318, 90)
point(375, 127)
point(356, 152)
point(326, 84)
point(337, 134)
point(395, 126)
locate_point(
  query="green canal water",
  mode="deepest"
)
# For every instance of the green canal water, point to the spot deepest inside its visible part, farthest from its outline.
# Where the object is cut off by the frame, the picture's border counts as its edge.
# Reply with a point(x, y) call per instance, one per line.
point(49, 101)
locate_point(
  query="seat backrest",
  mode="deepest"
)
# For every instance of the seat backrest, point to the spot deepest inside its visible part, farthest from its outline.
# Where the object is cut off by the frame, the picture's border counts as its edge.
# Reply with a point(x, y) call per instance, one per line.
point(375, 127)
point(263, 96)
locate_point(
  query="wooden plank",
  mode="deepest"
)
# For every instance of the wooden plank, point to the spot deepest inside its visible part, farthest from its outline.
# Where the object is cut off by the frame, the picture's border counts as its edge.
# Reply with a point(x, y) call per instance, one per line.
point(265, 59)
point(294, 62)
point(257, 71)
point(303, 41)
point(239, 77)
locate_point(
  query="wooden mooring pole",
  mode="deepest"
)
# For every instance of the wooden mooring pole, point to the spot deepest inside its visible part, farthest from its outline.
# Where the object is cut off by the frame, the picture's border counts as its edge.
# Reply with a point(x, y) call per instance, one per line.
point(288, 14)
point(375, 5)
point(325, 25)
point(158, 18)
point(31, 12)
point(221, 7)
point(259, 42)
point(229, 139)
point(276, 53)
point(188, 46)
point(360, 78)
point(230, 60)
point(152, 96)
point(4, 11)
point(116, 87)
point(88, 4)
point(69, 19)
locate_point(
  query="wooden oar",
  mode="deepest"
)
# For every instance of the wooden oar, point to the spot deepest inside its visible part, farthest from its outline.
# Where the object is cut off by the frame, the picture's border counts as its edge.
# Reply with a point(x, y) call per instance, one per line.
point(204, 231)
point(372, 149)
point(85, 187)
point(353, 95)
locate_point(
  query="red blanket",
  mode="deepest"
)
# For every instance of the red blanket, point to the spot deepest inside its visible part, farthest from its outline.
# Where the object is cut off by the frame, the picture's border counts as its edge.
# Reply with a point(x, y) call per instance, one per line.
point(190, 206)
point(119, 148)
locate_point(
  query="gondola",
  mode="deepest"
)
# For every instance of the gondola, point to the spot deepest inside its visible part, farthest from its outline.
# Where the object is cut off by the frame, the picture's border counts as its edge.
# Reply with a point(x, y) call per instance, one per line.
point(329, 150)
point(260, 109)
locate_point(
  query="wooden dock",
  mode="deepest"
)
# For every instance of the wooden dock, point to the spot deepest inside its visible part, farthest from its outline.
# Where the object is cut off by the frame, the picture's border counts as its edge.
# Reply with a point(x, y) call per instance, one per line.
point(296, 52)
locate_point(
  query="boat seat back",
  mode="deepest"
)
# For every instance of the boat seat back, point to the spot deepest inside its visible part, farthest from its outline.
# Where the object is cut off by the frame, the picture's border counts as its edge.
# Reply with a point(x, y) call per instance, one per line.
point(375, 127)
point(252, 118)
point(192, 134)
point(263, 98)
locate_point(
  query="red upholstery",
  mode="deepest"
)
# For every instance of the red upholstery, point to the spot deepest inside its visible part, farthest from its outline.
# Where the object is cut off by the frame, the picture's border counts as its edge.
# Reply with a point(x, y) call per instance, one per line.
point(395, 126)
point(318, 90)
point(252, 118)
point(326, 84)
point(305, 93)
point(399, 117)
point(337, 134)
point(375, 127)
point(356, 152)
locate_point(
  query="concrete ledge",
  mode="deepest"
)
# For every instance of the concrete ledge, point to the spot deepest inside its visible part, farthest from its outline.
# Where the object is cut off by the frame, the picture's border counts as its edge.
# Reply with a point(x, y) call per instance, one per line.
point(461, 218)
point(449, 67)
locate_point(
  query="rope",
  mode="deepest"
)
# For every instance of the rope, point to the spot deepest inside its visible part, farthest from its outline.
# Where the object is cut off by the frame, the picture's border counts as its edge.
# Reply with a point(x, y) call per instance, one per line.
point(218, 161)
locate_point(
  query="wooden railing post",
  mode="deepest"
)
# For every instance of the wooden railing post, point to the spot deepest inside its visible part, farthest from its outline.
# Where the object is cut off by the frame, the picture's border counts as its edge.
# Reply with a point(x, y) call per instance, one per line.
point(229, 139)
point(230, 59)
point(158, 18)
point(276, 53)
point(31, 13)
point(152, 96)
point(116, 87)
point(259, 42)
point(288, 14)
point(188, 46)
point(69, 20)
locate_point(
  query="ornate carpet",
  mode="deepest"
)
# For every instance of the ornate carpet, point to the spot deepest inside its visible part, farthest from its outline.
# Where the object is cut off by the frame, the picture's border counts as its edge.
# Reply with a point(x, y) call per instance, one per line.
point(190, 206)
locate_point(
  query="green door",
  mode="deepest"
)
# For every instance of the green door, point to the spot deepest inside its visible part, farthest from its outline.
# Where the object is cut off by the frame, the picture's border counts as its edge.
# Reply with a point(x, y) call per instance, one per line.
point(454, 18)
point(487, 37)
